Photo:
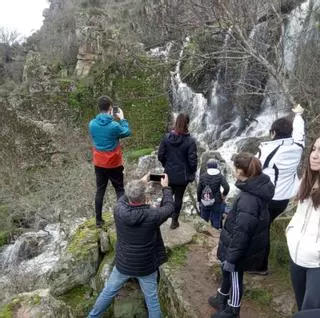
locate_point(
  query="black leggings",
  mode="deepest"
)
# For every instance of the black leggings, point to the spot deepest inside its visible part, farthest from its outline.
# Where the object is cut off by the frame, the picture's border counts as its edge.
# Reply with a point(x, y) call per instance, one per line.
point(178, 191)
point(306, 286)
point(102, 177)
point(275, 209)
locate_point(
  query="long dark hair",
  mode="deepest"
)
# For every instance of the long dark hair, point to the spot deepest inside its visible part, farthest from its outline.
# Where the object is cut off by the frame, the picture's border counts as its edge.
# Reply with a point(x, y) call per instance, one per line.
point(248, 163)
point(309, 178)
point(181, 125)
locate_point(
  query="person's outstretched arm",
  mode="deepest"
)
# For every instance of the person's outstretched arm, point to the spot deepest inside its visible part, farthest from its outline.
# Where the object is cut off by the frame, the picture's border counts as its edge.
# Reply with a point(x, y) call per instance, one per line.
point(298, 129)
point(166, 209)
point(123, 129)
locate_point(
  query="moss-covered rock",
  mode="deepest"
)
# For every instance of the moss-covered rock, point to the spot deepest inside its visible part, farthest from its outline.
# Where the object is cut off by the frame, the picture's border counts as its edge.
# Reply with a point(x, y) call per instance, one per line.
point(80, 261)
point(81, 299)
point(36, 304)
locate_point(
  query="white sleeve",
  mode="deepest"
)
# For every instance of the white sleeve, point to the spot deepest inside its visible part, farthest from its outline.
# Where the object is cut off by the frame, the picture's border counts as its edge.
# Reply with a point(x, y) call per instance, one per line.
point(298, 130)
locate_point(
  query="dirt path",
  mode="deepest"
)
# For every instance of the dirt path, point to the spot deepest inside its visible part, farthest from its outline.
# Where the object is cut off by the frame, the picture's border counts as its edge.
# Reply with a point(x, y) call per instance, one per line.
point(200, 284)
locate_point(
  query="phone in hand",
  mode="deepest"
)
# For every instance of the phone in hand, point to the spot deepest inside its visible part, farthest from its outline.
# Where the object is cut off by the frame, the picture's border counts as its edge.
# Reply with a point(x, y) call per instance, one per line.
point(115, 110)
point(156, 177)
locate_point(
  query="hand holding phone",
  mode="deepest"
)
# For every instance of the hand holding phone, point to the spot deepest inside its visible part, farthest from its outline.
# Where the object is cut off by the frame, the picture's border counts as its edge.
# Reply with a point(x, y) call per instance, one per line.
point(117, 113)
point(156, 177)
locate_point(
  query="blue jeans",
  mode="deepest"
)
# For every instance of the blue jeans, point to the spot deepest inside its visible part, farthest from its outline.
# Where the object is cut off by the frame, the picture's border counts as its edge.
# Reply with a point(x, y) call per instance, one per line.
point(212, 213)
point(116, 280)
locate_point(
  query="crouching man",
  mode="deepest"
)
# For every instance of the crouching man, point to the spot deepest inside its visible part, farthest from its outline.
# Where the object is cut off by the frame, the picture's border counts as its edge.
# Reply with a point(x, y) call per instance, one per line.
point(140, 249)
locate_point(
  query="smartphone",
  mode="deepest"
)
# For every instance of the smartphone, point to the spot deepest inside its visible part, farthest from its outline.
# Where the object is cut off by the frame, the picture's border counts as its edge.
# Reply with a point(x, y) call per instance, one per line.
point(115, 110)
point(156, 177)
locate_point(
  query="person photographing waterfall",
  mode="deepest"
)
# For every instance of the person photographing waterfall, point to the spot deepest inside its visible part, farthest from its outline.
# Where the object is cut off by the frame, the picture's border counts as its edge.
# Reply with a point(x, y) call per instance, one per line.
point(178, 156)
point(280, 159)
point(140, 249)
point(105, 131)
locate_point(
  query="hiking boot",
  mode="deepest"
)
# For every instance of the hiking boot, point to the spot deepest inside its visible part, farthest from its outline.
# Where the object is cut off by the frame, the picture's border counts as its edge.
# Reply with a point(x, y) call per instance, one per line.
point(229, 312)
point(174, 224)
point(99, 223)
point(218, 302)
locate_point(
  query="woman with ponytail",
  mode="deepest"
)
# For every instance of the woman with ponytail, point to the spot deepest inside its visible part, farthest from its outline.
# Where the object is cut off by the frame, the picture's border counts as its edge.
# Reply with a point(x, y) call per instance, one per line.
point(303, 235)
point(244, 237)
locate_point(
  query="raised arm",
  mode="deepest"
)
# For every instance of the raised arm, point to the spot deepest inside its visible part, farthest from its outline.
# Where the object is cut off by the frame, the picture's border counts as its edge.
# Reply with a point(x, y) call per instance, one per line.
point(298, 129)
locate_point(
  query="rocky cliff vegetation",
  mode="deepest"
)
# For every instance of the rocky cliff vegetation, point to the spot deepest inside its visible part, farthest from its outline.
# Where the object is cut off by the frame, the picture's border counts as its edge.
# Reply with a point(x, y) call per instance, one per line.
point(151, 56)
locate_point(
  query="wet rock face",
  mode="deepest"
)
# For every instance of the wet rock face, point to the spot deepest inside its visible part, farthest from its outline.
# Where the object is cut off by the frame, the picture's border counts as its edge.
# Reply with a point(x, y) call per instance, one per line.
point(212, 155)
point(249, 145)
point(39, 303)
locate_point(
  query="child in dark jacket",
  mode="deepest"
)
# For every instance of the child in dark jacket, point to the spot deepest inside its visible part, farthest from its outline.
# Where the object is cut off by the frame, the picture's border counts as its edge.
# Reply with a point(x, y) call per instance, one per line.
point(214, 180)
point(244, 237)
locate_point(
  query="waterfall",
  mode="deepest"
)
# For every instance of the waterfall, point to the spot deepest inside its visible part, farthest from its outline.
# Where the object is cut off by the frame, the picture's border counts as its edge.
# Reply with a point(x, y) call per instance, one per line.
point(292, 35)
point(52, 242)
point(203, 111)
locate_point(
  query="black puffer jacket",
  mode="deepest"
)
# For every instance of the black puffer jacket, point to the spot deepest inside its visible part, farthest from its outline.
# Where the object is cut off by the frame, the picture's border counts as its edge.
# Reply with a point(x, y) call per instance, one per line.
point(214, 182)
point(244, 238)
point(178, 156)
point(140, 249)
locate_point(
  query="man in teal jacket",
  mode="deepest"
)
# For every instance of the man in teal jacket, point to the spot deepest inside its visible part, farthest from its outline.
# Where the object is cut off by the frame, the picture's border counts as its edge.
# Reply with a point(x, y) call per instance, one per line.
point(105, 130)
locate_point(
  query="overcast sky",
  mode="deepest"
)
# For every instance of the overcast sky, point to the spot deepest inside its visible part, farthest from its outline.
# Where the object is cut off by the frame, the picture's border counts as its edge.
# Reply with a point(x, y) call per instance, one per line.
point(24, 16)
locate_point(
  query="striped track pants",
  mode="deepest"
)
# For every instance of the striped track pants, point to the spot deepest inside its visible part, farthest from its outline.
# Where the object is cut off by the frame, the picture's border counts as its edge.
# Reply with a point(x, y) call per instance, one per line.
point(232, 284)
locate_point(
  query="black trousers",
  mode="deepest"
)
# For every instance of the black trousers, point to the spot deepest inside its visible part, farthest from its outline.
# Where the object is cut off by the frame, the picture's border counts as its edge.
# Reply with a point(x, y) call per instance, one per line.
point(306, 286)
point(103, 175)
point(275, 209)
point(232, 284)
point(178, 192)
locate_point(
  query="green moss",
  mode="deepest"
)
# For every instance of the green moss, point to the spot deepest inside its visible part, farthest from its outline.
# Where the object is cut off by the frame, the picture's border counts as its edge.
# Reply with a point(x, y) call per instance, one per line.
point(36, 299)
point(260, 296)
point(6, 312)
point(87, 235)
point(81, 299)
point(136, 154)
point(178, 256)
point(279, 254)
point(138, 86)
point(4, 237)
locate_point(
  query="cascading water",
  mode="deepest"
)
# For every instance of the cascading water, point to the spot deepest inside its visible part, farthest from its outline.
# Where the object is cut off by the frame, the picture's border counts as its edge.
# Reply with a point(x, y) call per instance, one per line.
point(203, 112)
point(33, 269)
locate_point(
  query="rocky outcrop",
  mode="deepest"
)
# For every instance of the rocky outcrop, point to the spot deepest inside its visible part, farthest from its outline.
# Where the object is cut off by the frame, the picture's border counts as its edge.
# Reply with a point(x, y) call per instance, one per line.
point(39, 303)
point(80, 261)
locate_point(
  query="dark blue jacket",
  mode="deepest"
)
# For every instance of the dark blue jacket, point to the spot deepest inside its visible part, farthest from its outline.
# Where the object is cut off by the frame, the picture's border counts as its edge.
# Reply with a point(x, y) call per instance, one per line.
point(244, 237)
point(178, 156)
point(140, 249)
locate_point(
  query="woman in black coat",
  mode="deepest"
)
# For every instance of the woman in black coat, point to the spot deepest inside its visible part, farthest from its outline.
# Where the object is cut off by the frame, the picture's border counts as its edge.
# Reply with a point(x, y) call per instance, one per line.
point(244, 238)
point(178, 155)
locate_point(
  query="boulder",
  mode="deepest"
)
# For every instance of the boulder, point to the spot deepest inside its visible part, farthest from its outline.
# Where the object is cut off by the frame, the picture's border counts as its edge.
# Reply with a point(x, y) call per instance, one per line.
point(148, 163)
point(80, 261)
point(250, 144)
point(180, 236)
point(130, 302)
point(39, 303)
